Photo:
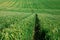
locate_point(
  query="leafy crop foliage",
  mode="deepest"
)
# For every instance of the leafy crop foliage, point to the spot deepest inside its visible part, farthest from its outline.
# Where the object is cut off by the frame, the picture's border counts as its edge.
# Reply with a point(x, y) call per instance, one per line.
point(29, 19)
point(16, 27)
point(51, 25)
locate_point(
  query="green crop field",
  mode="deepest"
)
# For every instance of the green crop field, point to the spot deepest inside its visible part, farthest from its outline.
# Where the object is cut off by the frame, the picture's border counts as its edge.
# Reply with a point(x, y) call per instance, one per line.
point(29, 19)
